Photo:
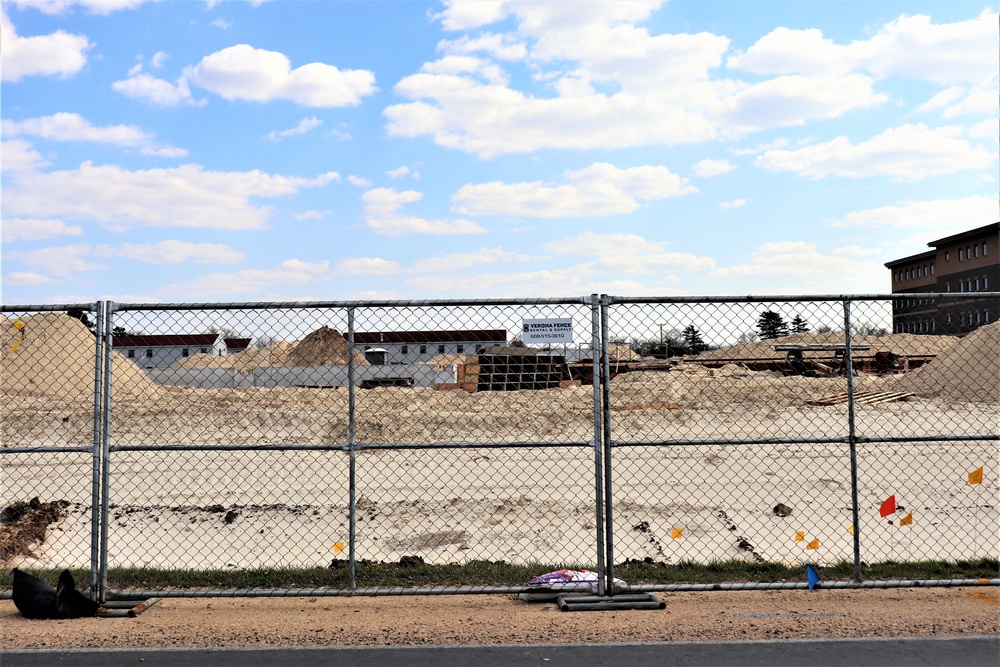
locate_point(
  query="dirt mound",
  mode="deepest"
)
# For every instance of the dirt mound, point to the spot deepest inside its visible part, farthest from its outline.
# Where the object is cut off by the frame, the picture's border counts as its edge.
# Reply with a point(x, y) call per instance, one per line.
point(969, 371)
point(52, 355)
point(906, 345)
point(324, 347)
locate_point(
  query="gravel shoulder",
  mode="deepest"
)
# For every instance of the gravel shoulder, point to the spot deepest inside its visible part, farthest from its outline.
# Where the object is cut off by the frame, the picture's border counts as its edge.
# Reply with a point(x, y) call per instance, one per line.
point(497, 619)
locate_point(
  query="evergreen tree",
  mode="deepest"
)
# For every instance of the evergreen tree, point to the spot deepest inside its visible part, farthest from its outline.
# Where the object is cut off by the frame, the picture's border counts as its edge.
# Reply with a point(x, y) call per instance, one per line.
point(771, 325)
point(799, 325)
point(693, 341)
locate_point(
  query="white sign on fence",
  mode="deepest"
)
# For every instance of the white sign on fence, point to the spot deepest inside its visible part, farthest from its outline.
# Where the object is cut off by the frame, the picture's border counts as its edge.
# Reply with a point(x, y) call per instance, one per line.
point(556, 330)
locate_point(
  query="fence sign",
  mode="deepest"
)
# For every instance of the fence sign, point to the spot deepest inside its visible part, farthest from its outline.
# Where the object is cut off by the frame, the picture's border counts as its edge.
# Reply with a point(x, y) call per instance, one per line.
point(555, 330)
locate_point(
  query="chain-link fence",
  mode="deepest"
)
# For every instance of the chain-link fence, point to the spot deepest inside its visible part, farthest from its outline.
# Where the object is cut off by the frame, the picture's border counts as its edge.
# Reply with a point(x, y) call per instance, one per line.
point(305, 448)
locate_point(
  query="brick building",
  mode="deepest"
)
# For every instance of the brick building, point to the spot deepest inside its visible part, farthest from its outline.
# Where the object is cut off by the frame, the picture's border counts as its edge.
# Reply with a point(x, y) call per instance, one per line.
point(964, 263)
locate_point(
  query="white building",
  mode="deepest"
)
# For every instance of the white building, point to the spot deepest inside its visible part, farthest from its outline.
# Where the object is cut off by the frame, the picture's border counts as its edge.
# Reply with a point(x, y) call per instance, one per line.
point(411, 347)
point(163, 351)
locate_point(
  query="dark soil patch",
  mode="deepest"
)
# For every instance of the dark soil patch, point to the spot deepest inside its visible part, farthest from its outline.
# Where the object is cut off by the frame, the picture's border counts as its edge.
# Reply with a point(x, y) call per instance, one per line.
point(23, 525)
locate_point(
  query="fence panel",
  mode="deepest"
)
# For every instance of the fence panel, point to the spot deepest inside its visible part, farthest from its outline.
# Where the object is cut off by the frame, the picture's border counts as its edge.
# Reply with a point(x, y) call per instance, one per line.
point(739, 445)
point(48, 466)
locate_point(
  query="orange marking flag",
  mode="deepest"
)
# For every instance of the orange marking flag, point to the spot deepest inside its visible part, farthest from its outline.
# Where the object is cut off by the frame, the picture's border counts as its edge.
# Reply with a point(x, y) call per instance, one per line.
point(338, 547)
point(800, 536)
point(906, 520)
point(976, 476)
point(676, 533)
point(888, 506)
point(813, 545)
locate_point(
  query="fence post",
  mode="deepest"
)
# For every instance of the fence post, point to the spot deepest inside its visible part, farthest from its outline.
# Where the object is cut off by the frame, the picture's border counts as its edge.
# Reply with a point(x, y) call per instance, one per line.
point(109, 310)
point(352, 477)
point(95, 492)
point(852, 439)
point(595, 359)
point(606, 419)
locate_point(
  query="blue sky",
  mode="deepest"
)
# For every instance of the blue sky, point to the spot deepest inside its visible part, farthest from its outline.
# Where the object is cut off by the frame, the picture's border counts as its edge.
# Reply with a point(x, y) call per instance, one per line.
point(258, 151)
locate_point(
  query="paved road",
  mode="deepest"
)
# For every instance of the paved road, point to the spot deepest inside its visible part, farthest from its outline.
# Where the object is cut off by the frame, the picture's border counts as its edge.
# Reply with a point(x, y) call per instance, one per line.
point(908, 652)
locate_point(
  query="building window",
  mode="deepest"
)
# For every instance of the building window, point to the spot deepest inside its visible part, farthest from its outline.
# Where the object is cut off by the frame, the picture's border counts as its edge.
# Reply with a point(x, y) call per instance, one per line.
point(947, 287)
point(960, 254)
point(984, 248)
point(460, 348)
point(946, 255)
point(975, 250)
point(977, 284)
point(986, 316)
point(131, 354)
point(932, 269)
point(986, 283)
point(423, 349)
point(149, 354)
point(405, 349)
point(947, 319)
point(204, 350)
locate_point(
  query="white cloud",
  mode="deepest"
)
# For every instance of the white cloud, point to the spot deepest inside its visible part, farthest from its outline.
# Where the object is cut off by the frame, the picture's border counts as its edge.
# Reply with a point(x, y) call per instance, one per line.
point(20, 156)
point(99, 7)
point(60, 262)
point(736, 203)
point(20, 278)
point(56, 54)
point(909, 46)
point(707, 168)
point(459, 261)
point(305, 125)
point(173, 252)
point(359, 181)
point(253, 281)
point(934, 218)
point(222, 23)
point(141, 86)
point(313, 215)
point(73, 127)
point(158, 59)
point(907, 152)
point(598, 190)
point(33, 229)
point(502, 47)
point(797, 267)
point(185, 196)
point(793, 100)
point(382, 214)
point(399, 172)
point(242, 72)
point(626, 254)
point(373, 266)
point(463, 15)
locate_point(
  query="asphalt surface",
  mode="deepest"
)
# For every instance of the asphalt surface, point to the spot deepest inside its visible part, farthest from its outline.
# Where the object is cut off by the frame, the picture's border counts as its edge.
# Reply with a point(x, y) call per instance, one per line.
point(904, 652)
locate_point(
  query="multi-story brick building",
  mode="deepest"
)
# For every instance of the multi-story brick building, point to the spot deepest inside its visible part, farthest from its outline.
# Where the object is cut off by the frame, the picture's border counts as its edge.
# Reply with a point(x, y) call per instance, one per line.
point(966, 263)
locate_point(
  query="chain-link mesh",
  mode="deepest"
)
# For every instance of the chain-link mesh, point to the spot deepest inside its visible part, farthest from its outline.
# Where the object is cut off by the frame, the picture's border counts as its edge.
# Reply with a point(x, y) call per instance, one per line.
point(48, 471)
point(308, 444)
point(734, 444)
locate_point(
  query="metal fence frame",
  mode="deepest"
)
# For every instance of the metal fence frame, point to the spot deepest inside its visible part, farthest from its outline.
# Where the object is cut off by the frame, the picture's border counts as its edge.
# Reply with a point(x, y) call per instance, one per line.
point(603, 443)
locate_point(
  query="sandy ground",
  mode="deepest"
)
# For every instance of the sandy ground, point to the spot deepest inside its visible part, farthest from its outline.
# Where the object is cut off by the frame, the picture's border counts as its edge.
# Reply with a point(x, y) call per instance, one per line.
point(496, 619)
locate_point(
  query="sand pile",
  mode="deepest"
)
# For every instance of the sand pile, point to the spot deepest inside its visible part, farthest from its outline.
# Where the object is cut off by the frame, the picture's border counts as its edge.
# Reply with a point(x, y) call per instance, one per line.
point(969, 371)
point(52, 355)
point(906, 345)
point(324, 347)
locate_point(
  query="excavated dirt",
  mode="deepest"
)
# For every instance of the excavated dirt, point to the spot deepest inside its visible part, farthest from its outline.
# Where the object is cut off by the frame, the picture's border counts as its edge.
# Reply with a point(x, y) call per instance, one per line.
point(498, 619)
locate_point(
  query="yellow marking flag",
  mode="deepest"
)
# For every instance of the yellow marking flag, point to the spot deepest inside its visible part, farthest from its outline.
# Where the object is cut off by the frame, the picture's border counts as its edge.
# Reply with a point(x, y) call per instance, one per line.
point(676, 533)
point(976, 476)
point(813, 545)
point(850, 528)
point(800, 536)
point(338, 547)
point(906, 520)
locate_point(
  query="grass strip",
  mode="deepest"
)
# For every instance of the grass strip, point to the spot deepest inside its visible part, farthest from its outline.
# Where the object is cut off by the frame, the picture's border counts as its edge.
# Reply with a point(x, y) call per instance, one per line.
point(498, 573)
